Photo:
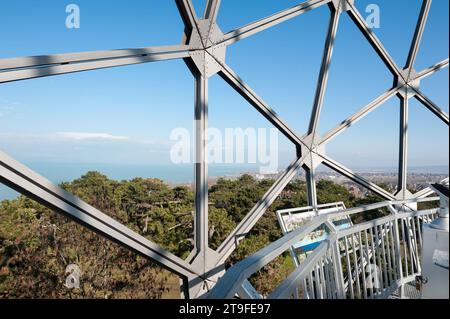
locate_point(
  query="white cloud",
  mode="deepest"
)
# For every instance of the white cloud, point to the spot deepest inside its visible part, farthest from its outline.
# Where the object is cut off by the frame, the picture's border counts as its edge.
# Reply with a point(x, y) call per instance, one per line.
point(82, 136)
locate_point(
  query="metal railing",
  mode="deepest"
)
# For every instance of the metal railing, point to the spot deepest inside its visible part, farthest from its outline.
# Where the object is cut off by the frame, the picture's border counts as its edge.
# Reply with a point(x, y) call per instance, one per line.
point(368, 260)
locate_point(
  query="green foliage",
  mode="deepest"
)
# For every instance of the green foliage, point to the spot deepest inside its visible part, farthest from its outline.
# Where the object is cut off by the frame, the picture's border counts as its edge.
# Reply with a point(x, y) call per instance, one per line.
point(220, 226)
point(238, 196)
point(36, 245)
point(329, 192)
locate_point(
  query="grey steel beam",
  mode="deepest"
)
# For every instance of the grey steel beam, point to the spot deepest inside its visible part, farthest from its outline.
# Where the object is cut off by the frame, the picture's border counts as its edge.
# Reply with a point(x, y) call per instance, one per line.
point(432, 69)
point(187, 13)
point(16, 69)
point(429, 191)
point(327, 161)
point(232, 241)
point(372, 39)
point(212, 10)
point(70, 58)
point(403, 149)
point(431, 106)
point(420, 27)
point(268, 22)
point(311, 186)
point(359, 115)
point(29, 183)
point(201, 167)
point(324, 70)
point(247, 93)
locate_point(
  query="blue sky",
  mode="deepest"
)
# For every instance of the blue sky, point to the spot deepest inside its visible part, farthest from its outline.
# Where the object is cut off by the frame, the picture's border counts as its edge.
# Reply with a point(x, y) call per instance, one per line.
point(125, 115)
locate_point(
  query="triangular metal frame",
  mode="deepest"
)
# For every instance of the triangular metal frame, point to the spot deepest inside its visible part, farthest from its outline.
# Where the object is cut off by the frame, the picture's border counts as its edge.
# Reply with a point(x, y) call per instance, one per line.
point(203, 50)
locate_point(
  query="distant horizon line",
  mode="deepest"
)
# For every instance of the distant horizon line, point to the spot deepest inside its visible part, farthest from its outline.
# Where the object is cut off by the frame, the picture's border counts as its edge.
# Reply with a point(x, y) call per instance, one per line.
point(27, 163)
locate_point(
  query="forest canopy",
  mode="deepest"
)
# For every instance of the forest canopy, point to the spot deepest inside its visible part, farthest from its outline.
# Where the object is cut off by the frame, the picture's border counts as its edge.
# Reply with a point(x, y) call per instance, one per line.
point(36, 244)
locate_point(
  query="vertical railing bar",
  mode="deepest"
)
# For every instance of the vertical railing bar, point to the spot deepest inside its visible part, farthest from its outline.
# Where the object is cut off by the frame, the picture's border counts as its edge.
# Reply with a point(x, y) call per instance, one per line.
point(404, 248)
point(307, 294)
point(331, 265)
point(415, 244)
point(312, 285)
point(374, 256)
point(419, 232)
point(331, 274)
point(398, 254)
point(297, 292)
point(378, 244)
point(326, 277)
point(323, 279)
point(383, 254)
point(368, 260)
point(409, 244)
point(319, 282)
point(338, 270)
point(305, 290)
point(355, 262)
point(335, 278)
point(363, 272)
point(388, 233)
point(349, 269)
point(394, 250)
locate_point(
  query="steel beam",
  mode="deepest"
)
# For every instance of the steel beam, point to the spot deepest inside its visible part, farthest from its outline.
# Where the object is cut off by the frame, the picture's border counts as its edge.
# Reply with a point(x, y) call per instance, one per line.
point(432, 69)
point(359, 115)
point(327, 161)
point(201, 167)
point(247, 93)
point(431, 106)
point(268, 22)
point(232, 241)
point(372, 39)
point(429, 191)
point(324, 70)
point(311, 186)
point(29, 183)
point(403, 150)
point(187, 13)
point(16, 69)
point(204, 264)
point(212, 10)
point(420, 27)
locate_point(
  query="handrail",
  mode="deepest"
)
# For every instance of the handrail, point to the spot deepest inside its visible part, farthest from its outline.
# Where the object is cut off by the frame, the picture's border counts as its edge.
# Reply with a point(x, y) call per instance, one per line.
point(299, 209)
point(234, 277)
point(379, 221)
point(291, 282)
point(228, 285)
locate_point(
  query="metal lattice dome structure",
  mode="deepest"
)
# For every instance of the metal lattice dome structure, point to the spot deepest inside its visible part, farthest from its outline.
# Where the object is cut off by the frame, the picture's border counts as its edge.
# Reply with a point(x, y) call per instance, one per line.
point(204, 50)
